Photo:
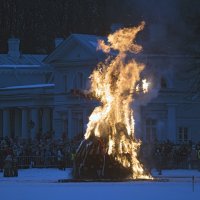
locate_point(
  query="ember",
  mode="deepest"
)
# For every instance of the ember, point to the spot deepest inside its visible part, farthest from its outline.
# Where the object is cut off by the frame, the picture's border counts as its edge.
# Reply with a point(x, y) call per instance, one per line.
point(109, 149)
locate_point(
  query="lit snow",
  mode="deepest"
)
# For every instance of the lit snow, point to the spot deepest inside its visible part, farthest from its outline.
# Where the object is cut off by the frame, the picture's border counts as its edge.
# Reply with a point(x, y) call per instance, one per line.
point(178, 173)
point(28, 86)
point(39, 184)
point(37, 175)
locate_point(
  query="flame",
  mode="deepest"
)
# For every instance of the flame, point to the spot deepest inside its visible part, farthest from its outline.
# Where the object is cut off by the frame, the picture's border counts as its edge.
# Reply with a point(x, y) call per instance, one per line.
point(145, 85)
point(114, 83)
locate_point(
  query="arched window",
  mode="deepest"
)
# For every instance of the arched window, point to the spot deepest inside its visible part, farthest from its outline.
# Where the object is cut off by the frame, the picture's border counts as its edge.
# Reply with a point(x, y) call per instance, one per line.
point(79, 82)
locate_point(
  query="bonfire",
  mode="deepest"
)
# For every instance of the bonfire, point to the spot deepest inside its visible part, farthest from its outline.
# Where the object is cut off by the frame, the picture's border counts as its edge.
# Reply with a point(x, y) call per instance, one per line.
point(110, 149)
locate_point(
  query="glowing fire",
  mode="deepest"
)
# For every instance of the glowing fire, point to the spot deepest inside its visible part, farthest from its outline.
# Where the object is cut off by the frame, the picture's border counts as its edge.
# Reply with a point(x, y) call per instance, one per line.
point(114, 82)
point(144, 87)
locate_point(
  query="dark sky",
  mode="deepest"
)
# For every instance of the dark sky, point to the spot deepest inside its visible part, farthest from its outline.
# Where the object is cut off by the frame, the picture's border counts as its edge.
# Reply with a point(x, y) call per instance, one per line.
point(172, 24)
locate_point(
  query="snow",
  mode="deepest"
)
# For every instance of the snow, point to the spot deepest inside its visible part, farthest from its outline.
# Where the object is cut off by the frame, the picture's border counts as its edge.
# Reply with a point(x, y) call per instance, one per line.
point(177, 173)
point(24, 60)
point(39, 184)
point(94, 44)
point(28, 86)
point(37, 175)
point(19, 66)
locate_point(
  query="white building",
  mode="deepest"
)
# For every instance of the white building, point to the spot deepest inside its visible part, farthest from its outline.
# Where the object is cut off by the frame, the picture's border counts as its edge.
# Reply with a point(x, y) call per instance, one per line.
point(36, 93)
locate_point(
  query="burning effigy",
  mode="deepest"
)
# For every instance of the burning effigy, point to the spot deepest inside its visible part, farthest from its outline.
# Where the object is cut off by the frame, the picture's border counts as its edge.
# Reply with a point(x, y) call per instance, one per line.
point(110, 149)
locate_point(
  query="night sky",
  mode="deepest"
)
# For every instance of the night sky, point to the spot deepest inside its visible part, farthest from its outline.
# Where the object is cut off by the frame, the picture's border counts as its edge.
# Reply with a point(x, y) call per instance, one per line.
point(38, 22)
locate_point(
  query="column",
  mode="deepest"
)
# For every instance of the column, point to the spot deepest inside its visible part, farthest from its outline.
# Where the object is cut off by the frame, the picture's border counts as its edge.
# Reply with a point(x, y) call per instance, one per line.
point(65, 126)
point(46, 120)
point(17, 123)
point(171, 122)
point(25, 130)
point(70, 133)
point(57, 123)
point(34, 122)
point(51, 119)
point(1, 123)
point(6, 123)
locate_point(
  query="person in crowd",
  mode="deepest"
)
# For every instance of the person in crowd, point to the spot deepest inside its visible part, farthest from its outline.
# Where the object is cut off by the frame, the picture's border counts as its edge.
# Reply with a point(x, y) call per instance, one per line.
point(60, 159)
point(14, 167)
point(159, 160)
point(8, 172)
point(1, 159)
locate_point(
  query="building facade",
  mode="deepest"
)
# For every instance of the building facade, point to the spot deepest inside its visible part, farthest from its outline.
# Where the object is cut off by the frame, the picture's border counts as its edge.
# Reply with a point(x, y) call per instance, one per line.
point(43, 94)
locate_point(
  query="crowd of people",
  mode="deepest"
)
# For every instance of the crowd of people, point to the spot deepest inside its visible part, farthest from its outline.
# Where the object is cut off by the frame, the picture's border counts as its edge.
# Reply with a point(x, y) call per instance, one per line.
point(43, 152)
point(167, 155)
point(49, 152)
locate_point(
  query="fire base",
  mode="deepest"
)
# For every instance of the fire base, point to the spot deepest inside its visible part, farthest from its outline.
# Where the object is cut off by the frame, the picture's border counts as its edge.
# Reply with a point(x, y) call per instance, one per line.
point(92, 163)
point(111, 180)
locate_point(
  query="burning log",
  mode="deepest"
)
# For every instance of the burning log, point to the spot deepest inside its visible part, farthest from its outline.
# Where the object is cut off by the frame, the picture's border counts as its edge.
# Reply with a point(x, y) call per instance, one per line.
point(93, 161)
point(83, 93)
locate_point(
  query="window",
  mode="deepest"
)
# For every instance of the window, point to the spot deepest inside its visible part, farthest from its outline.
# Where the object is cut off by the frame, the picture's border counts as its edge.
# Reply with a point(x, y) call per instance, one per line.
point(65, 83)
point(151, 130)
point(77, 123)
point(79, 82)
point(163, 83)
point(1, 123)
point(48, 77)
point(183, 134)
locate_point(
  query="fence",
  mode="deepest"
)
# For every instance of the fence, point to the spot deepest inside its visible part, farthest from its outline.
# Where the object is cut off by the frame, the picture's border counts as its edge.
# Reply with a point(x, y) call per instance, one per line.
point(52, 162)
point(40, 162)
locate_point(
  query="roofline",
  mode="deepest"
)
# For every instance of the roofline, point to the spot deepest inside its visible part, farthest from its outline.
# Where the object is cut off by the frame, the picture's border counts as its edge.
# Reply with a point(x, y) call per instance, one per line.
point(20, 87)
point(18, 66)
point(45, 60)
point(169, 55)
point(71, 36)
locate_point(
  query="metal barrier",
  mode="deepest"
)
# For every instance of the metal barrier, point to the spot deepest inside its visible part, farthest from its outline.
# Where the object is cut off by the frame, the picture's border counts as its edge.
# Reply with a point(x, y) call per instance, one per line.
point(52, 162)
point(37, 161)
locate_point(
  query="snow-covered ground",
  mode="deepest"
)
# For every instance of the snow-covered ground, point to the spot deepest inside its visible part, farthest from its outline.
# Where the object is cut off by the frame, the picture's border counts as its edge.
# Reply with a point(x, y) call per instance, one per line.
point(40, 184)
point(43, 175)
point(177, 173)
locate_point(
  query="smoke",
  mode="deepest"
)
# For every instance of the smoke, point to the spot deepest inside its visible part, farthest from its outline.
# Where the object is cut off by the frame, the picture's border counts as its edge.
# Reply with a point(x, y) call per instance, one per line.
point(154, 74)
point(143, 99)
point(167, 29)
point(159, 11)
point(165, 25)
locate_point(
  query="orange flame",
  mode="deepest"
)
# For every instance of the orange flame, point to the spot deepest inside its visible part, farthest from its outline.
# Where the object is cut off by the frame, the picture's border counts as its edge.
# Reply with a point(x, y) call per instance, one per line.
point(114, 83)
